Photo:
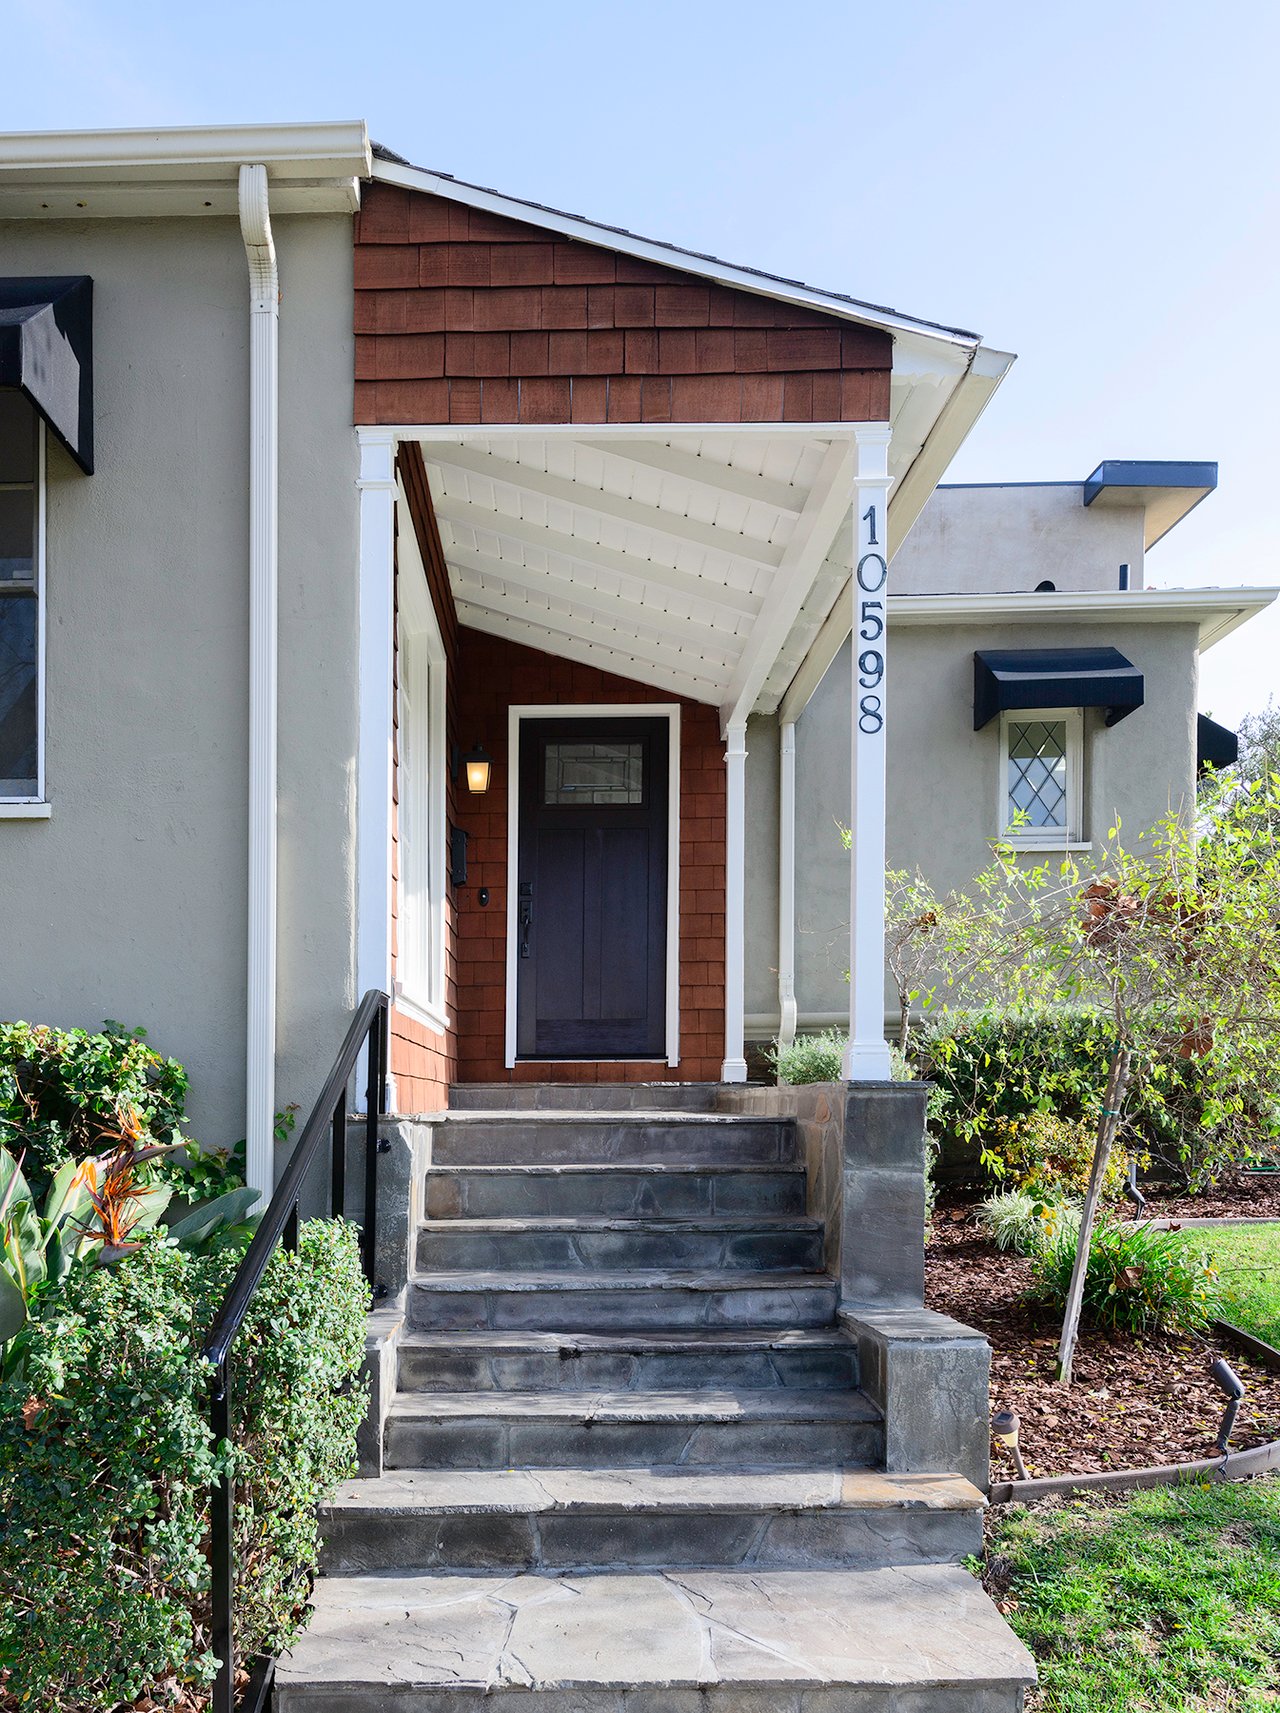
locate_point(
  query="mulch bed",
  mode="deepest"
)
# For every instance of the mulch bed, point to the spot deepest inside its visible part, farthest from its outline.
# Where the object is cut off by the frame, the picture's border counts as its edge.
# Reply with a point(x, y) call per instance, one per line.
point(1133, 1401)
point(1239, 1198)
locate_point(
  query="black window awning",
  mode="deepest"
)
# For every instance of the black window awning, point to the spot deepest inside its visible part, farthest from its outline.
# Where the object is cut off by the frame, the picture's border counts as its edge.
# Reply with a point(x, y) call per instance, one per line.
point(46, 352)
point(1054, 678)
point(1216, 746)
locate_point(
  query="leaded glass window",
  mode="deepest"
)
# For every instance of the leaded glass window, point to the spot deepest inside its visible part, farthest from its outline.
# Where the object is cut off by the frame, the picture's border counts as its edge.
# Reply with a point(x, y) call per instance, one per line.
point(610, 773)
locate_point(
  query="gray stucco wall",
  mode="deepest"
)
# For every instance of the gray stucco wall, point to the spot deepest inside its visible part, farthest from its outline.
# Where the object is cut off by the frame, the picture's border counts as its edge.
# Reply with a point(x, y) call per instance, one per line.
point(943, 784)
point(1002, 540)
point(130, 902)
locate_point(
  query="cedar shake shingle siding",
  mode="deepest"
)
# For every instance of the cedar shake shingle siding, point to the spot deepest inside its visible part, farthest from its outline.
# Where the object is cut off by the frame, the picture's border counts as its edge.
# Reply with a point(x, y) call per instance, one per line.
point(467, 317)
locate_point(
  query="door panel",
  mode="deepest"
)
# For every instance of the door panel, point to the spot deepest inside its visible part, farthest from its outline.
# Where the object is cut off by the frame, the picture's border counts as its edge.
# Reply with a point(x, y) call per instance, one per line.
point(591, 969)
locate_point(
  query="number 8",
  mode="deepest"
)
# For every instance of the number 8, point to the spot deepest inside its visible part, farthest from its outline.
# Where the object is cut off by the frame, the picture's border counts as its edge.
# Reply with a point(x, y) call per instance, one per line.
point(870, 718)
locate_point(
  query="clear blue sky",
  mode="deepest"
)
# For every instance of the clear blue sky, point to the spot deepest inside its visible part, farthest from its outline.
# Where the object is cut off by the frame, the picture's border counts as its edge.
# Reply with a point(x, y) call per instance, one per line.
point(1094, 186)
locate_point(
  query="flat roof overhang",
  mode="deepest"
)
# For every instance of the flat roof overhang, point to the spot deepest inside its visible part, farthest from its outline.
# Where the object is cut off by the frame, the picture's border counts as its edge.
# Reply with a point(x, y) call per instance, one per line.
point(1166, 489)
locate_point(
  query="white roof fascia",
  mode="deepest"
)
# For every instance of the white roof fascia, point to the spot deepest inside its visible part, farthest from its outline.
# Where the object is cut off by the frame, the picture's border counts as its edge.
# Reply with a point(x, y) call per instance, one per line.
point(960, 410)
point(183, 170)
point(1217, 611)
point(666, 255)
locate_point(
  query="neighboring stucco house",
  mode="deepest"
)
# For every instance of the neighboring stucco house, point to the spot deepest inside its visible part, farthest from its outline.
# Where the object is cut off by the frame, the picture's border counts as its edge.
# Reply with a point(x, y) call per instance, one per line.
point(1083, 709)
point(462, 612)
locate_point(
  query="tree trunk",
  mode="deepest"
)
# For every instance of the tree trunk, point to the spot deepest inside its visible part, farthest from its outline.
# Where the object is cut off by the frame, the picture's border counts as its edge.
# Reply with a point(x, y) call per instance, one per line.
point(904, 1025)
point(1112, 1105)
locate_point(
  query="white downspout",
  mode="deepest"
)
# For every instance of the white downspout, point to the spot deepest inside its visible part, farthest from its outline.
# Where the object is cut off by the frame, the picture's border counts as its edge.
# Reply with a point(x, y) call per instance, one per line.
point(264, 431)
point(787, 883)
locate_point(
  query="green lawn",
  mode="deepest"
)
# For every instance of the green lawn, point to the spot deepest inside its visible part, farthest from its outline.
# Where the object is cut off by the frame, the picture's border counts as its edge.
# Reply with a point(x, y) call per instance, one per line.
point(1248, 1261)
point(1165, 1601)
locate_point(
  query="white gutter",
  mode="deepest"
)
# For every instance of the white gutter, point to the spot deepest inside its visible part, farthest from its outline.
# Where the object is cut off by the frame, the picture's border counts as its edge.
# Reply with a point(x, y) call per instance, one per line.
point(1217, 612)
point(264, 434)
point(787, 883)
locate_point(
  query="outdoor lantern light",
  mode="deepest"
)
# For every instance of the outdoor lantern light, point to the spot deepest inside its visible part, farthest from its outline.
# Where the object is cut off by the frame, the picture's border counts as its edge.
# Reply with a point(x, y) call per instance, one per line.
point(477, 762)
point(1004, 1428)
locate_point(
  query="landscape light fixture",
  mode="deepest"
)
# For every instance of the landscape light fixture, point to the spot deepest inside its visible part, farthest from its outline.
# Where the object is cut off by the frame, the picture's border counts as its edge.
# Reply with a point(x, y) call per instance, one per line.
point(1004, 1428)
point(1229, 1382)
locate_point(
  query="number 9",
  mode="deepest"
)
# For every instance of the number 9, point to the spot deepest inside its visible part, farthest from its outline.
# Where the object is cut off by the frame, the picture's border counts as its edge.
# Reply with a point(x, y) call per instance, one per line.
point(870, 668)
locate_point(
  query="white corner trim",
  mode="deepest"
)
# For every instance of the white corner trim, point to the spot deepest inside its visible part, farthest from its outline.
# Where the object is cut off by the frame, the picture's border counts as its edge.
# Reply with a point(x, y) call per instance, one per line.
point(376, 605)
point(734, 1068)
point(264, 298)
point(670, 711)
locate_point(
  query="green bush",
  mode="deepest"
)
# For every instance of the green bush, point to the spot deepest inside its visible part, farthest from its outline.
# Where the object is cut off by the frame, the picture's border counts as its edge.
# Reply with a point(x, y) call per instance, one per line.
point(1019, 1221)
point(66, 1094)
point(106, 1464)
point(810, 1058)
point(999, 1065)
point(1048, 1155)
point(1139, 1279)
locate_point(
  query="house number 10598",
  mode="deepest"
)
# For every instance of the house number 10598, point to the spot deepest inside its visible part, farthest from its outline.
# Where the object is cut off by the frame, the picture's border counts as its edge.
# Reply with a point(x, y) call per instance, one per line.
point(872, 574)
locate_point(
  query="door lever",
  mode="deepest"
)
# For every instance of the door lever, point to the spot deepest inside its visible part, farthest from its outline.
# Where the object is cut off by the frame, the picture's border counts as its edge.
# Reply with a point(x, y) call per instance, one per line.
point(526, 915)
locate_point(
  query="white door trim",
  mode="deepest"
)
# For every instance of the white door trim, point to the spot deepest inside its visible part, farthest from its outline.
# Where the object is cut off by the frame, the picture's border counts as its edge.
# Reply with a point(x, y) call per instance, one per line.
point(670, 711)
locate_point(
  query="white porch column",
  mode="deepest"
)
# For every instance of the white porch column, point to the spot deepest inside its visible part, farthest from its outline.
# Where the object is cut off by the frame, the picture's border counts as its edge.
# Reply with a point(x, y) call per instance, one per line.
point(734, 1069)
point(787, 1007)
point(867, 1056)
point(374, 756)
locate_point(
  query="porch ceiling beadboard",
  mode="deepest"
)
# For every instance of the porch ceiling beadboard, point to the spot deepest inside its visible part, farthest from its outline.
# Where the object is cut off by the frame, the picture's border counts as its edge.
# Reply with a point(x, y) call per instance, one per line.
point(702, 563)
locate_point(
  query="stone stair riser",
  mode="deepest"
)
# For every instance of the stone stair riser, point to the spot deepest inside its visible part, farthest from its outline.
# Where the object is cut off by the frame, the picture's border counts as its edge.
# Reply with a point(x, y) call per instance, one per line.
point(584, 1097)
point(468, 1442)
point(607, 1371)
point(542, 1141)
point(613, 1192)
point(818, 1539)
point(961, 1697)
point(795, 1248)
point(655, 1309)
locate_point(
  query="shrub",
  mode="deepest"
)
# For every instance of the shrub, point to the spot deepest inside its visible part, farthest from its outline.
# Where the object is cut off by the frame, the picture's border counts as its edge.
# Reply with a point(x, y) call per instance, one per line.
point(1047, 1155)
point(1019, 1221)
point(1139, 1279)
point(106, 1464)
point(997, 1065)
point(66, 1094)
point(810, 1058)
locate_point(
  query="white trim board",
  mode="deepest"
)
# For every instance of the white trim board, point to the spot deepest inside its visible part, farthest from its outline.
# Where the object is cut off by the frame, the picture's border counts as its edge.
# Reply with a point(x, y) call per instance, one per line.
point(1218, 611)
point(589, 711)
point(420, 981)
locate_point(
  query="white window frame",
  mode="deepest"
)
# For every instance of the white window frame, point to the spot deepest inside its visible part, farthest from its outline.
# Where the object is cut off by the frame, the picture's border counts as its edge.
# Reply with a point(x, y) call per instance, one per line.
point(1070, 837)
point(423, 793)
point(36, 808)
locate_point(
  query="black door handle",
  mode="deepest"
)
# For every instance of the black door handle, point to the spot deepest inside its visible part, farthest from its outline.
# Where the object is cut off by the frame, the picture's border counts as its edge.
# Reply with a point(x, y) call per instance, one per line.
point(526, 915)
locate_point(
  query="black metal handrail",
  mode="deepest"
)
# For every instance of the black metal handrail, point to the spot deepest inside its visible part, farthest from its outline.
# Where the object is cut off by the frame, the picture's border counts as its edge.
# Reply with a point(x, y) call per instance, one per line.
point(368, 1030)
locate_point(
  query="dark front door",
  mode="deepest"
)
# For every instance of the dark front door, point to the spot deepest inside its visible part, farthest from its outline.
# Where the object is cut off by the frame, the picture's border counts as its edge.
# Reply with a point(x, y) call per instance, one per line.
point(591, 901)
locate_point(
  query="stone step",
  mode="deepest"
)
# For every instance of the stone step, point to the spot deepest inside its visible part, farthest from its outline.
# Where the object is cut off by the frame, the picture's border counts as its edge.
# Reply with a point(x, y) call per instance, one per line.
point(594, 1097)
point(547, 1430)
point(669, 1191)
point(596, 1302)
point(923, 1639)
point(610, 1138)
point(620, 1362)
point(584, 1241)
point(578, 1519)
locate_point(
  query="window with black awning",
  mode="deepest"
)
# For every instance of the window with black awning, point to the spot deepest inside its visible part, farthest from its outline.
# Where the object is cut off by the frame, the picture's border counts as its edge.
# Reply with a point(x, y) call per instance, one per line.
point(1016, 678)
point(46, 354)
